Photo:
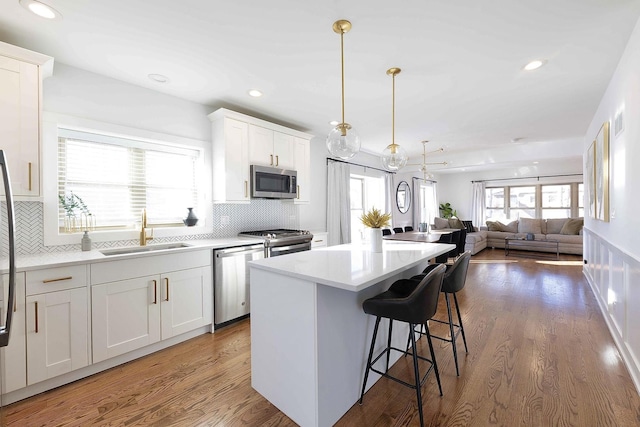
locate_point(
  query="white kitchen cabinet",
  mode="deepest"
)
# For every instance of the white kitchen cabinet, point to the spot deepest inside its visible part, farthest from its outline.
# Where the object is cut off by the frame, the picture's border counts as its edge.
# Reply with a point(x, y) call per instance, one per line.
point(21, 74)
point(319, 239)
point(270, 148)
point(57, 322)
point(240, 141)
point(172, 294)
point(14, 369)
point(302, 164)
point(230, 161)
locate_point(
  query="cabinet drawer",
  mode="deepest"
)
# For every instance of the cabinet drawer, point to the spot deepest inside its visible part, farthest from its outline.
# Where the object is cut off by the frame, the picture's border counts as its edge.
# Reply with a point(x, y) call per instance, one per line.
point(56, 279)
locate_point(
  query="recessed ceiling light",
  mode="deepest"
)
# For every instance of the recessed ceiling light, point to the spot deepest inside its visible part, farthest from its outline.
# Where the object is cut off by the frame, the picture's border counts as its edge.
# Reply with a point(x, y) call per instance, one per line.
point(334, 123)
point(41, 9)
point(158, 78)
point(534, 65)
point(255, 93)
point(536, 162)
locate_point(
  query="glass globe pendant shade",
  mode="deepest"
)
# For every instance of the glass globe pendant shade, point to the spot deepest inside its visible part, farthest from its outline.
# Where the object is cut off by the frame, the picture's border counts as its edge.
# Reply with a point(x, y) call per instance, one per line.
point(394, 157)
point(343, 142)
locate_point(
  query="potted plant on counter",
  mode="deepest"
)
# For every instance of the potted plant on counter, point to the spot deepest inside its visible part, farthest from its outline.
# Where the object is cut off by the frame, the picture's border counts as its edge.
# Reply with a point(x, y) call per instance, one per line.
point(375, 220)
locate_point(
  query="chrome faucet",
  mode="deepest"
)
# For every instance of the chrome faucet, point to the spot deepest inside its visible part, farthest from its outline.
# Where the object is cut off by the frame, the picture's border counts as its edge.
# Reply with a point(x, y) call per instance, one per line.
point(143, 232)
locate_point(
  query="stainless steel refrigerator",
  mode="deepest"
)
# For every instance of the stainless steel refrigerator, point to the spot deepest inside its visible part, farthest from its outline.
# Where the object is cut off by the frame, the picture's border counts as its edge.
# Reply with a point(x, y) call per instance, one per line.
point(9, 300)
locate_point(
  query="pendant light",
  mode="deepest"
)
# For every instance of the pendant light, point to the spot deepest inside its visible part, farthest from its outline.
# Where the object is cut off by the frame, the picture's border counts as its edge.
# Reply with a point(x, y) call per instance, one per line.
point(393, 157)
point(423, 167)
point(343, 142)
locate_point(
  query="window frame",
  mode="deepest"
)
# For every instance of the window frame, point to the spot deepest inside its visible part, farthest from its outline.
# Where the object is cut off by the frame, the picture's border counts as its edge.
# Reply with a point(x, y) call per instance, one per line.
point(53, 236)
point(574, 209)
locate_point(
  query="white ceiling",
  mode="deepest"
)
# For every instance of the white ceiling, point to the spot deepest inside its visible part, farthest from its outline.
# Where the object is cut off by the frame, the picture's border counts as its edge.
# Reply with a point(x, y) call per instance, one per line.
point(461, 87)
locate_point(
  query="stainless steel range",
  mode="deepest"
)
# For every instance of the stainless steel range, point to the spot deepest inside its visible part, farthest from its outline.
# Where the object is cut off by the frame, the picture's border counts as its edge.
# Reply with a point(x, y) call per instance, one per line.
point(231, 269)
point(281, 241)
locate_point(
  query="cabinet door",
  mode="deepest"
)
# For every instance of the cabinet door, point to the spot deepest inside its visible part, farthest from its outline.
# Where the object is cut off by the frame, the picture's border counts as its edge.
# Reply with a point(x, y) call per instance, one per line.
point(14, 356)
point(187, 300)
point(302, 165)
point(125, 316)
point(57, 333)
point(283, 150)
point(20, 124)
point(261, 146)
point(236, 167)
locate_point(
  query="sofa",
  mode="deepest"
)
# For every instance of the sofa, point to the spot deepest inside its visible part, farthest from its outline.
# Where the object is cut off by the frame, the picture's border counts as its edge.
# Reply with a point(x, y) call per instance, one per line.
point(567, 231)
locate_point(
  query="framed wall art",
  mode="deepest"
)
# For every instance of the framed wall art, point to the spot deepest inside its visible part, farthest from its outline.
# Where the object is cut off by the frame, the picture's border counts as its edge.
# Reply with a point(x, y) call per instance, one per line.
point(590, 180)
point(602, 173)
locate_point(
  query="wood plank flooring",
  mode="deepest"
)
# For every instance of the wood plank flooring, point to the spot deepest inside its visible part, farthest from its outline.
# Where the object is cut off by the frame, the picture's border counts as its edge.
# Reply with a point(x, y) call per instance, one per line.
point(539, 354)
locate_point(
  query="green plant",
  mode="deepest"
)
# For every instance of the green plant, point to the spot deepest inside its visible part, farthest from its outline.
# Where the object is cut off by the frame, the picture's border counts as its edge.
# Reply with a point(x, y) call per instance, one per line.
point(375, 218)
point(447, 211)
point(71, 203)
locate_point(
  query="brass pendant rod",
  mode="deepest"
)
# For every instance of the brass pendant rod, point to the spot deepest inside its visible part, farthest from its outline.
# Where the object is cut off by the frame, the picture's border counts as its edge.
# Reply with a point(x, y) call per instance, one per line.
point(393, 109)
point(342, 71)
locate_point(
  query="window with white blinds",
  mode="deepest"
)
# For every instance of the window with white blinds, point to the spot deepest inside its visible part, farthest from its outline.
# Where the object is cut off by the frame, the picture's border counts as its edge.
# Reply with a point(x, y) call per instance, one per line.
point(117, 177)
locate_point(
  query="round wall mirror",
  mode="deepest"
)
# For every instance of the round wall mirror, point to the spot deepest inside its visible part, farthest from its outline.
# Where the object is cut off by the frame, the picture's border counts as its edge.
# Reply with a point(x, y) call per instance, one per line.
point(403, 197)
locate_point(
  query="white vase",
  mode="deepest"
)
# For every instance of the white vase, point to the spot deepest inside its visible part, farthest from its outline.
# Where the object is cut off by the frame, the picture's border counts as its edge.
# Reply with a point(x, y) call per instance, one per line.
point(376, 239)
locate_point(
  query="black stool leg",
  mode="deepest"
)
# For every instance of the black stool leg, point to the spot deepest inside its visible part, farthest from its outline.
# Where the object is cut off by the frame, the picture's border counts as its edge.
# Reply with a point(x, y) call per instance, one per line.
point(453, 334)
point(464, 339)
point(416, 372)
point(373, 343)
point(433, 357)
point(389, 344)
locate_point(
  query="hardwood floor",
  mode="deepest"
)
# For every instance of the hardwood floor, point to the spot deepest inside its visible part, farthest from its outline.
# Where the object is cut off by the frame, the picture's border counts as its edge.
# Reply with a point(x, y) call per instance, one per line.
point(539, 354)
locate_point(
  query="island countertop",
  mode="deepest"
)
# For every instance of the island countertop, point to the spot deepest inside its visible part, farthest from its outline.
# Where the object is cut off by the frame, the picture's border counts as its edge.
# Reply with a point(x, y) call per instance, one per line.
point(352, 267)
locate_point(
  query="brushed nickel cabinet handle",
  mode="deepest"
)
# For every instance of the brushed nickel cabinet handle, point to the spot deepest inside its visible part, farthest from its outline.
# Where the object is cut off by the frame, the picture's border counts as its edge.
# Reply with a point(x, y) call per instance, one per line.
point(246, 186)
point(277, 161)
point(155, 291)
point(15, 306)
point(36, 317)
point(60, 279)
point(297, 192)
point(30, 177)
point(167, 284)
point(271, 160)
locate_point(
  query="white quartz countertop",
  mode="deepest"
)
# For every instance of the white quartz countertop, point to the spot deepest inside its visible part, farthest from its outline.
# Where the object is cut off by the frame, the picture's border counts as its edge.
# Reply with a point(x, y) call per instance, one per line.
point(352, 267)
point(59, 259)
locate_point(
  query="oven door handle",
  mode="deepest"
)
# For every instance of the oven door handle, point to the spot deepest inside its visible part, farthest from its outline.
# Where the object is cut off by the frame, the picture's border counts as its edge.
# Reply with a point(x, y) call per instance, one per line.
point(239, 251)
point(302, 246)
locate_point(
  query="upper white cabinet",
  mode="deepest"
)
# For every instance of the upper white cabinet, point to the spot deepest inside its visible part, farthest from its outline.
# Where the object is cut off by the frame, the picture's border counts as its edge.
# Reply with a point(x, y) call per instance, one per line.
point(21, 74)
point(230, 161)
point(270, 148)
point(235, 148)
point(301, 156)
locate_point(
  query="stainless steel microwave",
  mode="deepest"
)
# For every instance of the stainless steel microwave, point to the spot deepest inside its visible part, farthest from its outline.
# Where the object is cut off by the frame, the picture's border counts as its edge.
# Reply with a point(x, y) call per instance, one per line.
point(273, 183)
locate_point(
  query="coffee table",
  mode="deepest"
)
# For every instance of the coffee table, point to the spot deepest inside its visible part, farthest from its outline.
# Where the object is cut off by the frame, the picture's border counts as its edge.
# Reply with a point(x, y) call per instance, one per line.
point(530, 245)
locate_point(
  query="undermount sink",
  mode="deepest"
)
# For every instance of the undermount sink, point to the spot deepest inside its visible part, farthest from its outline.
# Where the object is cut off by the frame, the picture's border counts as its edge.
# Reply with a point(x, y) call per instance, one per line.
point(139, 249)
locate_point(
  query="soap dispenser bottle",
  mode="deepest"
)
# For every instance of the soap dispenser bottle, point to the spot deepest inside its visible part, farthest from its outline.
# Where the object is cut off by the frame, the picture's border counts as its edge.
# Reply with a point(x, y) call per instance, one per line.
point(86, 241)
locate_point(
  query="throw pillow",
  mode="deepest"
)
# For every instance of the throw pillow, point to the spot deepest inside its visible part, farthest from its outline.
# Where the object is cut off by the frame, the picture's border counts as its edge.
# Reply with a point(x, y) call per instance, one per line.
point(469, 226)
point(572, 226)
point(440, 223)
point(530, 225)
point(494, 225)
point(554, 225)
point(455, 223)
point(512, 227)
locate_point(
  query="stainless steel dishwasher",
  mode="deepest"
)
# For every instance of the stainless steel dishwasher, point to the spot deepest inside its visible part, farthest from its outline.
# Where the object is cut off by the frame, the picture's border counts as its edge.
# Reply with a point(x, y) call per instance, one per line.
point(231, 281)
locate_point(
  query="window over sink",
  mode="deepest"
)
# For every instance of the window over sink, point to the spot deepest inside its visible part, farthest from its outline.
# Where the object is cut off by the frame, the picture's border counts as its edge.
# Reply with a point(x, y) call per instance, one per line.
point(113, 176)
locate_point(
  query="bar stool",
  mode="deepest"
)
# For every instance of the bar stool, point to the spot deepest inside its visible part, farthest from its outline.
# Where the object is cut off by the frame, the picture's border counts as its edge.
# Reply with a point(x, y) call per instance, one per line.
point(453, 282)
point(386, 232)
point(415, 302)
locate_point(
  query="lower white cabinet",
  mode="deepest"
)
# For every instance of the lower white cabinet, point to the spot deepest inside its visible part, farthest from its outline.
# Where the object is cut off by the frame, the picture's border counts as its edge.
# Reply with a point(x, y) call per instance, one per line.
point(319, 239)
point(56, 322)
point(14, 356)
point(133, 313)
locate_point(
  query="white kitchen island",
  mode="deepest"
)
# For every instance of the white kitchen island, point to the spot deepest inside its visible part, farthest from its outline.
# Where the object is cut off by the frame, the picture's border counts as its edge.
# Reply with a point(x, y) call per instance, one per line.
point(309, 336)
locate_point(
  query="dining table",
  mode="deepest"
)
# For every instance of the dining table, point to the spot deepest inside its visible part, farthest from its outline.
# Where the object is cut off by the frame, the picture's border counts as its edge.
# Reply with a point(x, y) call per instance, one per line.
point(420, 236)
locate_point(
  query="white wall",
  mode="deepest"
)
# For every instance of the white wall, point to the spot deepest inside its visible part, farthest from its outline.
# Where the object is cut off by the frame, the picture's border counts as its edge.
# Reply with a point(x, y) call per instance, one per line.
point(80, 93)
point(611, 250)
